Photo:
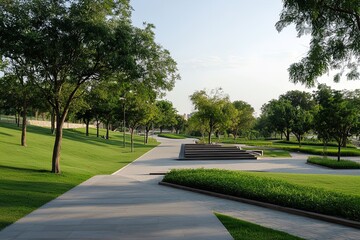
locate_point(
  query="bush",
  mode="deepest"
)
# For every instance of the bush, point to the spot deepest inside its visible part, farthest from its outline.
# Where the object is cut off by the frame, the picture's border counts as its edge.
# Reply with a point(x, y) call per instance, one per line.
point(271, 190)
point(333, 163)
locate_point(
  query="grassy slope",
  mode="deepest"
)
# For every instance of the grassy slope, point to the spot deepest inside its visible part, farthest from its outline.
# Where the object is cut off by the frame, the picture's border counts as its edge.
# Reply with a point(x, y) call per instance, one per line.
point(25, 180)
point(243, 230)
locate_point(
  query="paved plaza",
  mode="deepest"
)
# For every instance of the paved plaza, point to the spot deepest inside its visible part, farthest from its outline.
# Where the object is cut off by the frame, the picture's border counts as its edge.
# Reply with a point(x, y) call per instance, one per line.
point(130, 204)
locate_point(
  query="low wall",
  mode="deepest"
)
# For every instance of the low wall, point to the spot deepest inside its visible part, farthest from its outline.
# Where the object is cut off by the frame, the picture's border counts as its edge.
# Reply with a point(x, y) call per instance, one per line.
point(66, 124)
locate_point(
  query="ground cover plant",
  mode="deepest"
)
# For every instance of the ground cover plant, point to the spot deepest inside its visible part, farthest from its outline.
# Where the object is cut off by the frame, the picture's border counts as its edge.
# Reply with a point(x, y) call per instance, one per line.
point(25, 180)
point(243, 230)
point(333, 163)
point(280, 191)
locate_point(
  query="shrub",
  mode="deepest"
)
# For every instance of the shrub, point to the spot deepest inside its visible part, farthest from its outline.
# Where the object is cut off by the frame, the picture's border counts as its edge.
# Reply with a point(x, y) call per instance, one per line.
point(333, 163)
point(268, 189)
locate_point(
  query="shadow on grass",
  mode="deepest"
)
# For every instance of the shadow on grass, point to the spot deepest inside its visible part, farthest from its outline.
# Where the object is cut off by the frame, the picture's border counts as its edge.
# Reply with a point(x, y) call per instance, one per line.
point(25, 169)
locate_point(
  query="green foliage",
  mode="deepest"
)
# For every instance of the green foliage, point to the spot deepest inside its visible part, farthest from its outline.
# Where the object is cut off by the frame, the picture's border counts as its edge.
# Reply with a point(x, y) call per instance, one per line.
point(25, 180)
point(337, 116)
point(334, 27)
point(333, 163)
point(61, 46)
point(243, 118)
point(271, 190)
point(214, 111)
point(166, 117)
point(242, 230)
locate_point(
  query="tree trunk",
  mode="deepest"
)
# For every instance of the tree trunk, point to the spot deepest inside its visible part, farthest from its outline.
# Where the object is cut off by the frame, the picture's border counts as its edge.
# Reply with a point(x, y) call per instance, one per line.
point(209, 138)
point(298, 138)
point(132, 139)
point(161, 129)
point(339, 149)
point(57, 146)
point(52, 119)
point(97, 127)
point(23, 128)
point(147, 130)
point(107, 131)
point(87, 121)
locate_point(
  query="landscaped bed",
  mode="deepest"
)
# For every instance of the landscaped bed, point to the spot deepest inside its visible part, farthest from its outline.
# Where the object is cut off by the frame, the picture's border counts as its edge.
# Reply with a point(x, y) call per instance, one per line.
point(333, 163)
point(297, 193)
point(243, 230)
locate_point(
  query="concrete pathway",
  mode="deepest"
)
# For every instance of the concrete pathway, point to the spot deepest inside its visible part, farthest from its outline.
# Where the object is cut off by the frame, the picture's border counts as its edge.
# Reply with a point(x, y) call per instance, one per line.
point(131, 205)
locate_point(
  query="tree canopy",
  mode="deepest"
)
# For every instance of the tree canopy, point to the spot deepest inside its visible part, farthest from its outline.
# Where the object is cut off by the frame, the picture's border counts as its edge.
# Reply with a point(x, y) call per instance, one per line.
point(64, 46)
point(214, 110)
point(334, 27)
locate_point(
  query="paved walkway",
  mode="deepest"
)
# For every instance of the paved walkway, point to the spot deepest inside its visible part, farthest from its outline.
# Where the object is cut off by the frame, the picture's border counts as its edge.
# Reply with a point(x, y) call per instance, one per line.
point(131, 205)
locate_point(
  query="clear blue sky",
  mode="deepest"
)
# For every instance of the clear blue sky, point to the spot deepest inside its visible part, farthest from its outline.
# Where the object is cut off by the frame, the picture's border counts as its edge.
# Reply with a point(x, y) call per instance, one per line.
point(231, 44)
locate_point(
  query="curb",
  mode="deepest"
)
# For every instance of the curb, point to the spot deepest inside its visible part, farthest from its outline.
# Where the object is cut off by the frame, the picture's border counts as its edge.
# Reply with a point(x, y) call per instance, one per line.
point(327, 218)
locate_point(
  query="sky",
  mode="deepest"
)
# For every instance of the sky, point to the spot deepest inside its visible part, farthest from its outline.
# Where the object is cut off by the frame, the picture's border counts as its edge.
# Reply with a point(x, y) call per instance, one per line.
point(232, 44)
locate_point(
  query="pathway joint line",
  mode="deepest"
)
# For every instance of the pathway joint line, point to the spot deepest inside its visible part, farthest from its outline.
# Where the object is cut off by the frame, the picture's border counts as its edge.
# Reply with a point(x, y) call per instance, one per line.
point(327, 218)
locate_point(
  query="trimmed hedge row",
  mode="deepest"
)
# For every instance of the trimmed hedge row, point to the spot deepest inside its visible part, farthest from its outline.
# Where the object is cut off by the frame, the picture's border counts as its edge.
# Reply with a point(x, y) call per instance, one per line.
point(333, 163)
point(270, 190)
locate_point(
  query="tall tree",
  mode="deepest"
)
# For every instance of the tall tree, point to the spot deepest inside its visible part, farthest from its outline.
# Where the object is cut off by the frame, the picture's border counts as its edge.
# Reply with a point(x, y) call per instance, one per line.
point(334, 27)
point(69, 43)
point(214, 110)
point(279, 114)
point(167, 114)
point(180, 123)
point(302, 112)
point(337, 115)
point(243, 118)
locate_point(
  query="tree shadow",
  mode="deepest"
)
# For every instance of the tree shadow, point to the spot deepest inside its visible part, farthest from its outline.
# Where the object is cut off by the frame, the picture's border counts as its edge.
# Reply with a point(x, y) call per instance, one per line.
point(25, 169)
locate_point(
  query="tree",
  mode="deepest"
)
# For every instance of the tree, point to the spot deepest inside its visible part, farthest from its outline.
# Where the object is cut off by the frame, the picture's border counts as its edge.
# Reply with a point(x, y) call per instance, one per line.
point(337, 115)
point(302, 112)
point(243, 119)
point(166, 118)
point(279, 114)
point(180, 123)
point(139, 111)
point(69, 43)
point(18, 95)
point(213, 110)
point(335, 36)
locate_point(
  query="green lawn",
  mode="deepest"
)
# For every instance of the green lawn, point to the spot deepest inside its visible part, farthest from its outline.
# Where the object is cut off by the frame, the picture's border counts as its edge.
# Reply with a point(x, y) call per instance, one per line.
point(334, 163)
point(275, 153)
point(25, 179)
point(242, 230)
point(174, 135)
point(292, 146)
point(336, 195)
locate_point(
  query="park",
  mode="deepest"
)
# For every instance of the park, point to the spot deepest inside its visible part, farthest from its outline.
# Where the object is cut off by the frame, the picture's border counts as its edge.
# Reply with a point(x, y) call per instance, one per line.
point(91, 148)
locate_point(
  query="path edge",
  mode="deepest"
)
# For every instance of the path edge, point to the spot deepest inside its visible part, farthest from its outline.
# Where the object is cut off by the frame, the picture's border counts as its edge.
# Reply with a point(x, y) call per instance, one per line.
point(327, 218)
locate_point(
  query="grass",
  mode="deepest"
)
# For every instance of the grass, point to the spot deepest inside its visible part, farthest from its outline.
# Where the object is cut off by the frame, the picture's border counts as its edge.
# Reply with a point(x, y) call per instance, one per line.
point(326, 194)
point(333, 163)
point(292, 146)
point(318, 150)
point(174, 136)
point(242, 230)
point(275, 153)
point(25, 180)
